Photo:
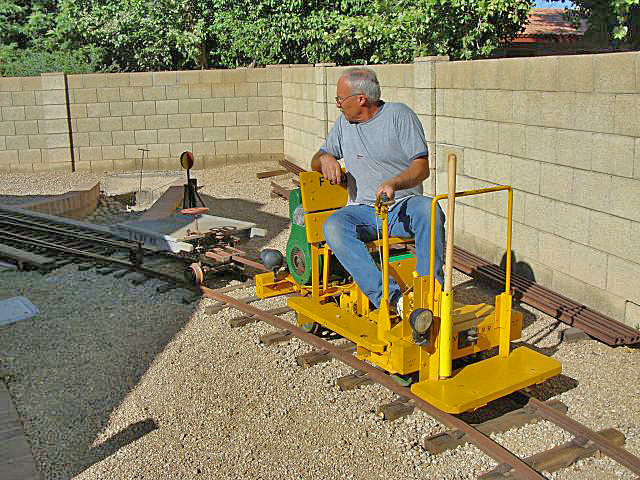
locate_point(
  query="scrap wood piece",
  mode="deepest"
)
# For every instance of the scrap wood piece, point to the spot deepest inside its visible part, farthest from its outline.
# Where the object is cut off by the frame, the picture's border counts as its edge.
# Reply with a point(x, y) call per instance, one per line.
point(291, 167)
point(451, 439)
point(271, 173)
point(279, 191)
point(400, 407)
point(353, 381)
point(314, 357)
point(558, 457)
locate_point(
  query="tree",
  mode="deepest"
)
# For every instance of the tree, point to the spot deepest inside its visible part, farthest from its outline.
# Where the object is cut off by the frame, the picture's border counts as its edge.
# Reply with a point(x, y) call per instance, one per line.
point(612, 22)
point(172, 34)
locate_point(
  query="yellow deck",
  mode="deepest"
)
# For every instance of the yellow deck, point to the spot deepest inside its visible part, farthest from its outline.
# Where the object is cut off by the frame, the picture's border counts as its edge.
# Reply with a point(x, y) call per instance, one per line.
point(479, 383)
point(359, 330)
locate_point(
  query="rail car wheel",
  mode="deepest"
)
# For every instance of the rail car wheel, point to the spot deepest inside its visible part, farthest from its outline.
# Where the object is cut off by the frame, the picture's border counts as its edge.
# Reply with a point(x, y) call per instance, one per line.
point(312, 327)
point(196, 273)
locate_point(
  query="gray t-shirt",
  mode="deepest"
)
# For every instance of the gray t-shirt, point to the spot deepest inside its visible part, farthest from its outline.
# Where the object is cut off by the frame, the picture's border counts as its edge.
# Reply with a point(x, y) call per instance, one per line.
point(376, 150)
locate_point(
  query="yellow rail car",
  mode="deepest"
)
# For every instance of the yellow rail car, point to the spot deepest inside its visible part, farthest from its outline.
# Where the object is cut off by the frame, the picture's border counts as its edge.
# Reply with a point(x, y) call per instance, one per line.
point(434, 330)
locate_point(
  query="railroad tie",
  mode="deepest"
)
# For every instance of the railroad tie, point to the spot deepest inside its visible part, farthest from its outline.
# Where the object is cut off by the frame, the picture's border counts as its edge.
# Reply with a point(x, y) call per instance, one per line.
point(314, 357)
point(353, 381)
point(276, 337)
point(399, 408)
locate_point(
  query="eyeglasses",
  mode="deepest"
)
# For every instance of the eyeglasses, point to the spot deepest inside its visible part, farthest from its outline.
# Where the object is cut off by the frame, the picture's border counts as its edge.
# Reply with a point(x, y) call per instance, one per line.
point(340, 100)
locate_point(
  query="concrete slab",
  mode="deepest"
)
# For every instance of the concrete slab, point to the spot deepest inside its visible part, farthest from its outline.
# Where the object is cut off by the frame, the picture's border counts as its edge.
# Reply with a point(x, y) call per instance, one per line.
point(15, 309)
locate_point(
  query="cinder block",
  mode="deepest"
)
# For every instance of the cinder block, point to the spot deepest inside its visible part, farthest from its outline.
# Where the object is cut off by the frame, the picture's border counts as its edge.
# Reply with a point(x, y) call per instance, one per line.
point(246, 89)
point(588, 265)
point(81, 140)
point(146, 136)
point(238, 159)
point(632, 315)
point(538, 212)
point(623, 278)
point(144, 108)
point(636, 161)
point(557, 182)
point(169, 136)
point(123, 138)
point(571, 222)
point(109, 124)
point(8, 156)
point(10, 84)
point(227, 119)
point(575, 73)
point(574, 148)
point(572, 335)
point(188, 76)
point(223, 90)
point(98, 110)
point(190, 135)
point(82, 166)
point(595, 112)
point(94, 80)
point(13, 113)
point(499, 105)
point(226, 147)
point(30, 156)
point(102, 166)
point(266, 132)
point(179, 120)
point(88, 154)
point(511, 74)
point(556, 252)
point(27, 127)
point(126, 165)
point(154, 93)
point(542, 73)
point(613, 235)
point(31, 83)
point(56, 155)
point(613, 154)
point(485, 74)
point(486, 135)
point(270, 118)
point(558, 109)
point(53, 126)
point(210, 76)
point(270, 89)
point(202, 119)
point(100, 138)
point(177, 92)
point(165, 78)
point(592, 190)
point(21, 167)
point(235, 104)
point(7, 128)
point(130, 94)
point(237, 133)
point(78, 111)
point(615, 73)
point(271, 146)
point(511, 139)
point(38, 141)
point(176, 149)
point(526, 174)
point(6, 99)
point(121, 109)
point(625, 197)
point(213, 105)
point(133, 152)
point(526, 241)
point(203, 148)
point(17, 142)
point(164, 107)
point(190, 106)
point(264, 75)
point(214, 134)
point(156, 122)
point(540, 143)
point(528, 108)
point(247, 118)
point(19, 98)
point(107, 95)
point(626, 115)
point(238, 75)
point(136, 122)
point(248, 146)
point(113, 152)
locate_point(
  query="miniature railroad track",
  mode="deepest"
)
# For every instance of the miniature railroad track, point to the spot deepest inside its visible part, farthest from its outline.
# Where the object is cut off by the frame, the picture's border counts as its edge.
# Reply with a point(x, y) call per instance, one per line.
point(585, 442)
point(45, 242)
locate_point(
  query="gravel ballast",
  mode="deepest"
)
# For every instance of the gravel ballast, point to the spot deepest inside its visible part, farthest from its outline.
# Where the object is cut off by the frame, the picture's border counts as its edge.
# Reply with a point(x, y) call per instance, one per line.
point(114, 380)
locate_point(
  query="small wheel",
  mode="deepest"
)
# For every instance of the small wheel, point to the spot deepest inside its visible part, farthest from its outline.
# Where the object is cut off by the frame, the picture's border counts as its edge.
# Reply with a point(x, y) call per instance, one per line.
point(312, 327)
point(198, 274)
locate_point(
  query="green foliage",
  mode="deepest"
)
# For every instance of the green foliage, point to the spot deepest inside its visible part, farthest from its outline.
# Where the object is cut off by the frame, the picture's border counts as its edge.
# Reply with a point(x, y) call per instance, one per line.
point(612, 22)
point(184, 34)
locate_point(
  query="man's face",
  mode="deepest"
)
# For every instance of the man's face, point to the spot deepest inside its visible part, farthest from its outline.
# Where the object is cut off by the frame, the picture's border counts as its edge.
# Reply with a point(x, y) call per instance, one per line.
point(348, 103)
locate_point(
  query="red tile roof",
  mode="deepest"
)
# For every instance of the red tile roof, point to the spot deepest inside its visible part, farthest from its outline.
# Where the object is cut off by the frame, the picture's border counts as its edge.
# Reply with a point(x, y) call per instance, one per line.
point(551, 21)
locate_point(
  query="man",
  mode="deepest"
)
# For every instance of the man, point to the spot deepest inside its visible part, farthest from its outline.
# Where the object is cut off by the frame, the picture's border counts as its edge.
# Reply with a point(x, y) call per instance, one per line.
point(384, 151)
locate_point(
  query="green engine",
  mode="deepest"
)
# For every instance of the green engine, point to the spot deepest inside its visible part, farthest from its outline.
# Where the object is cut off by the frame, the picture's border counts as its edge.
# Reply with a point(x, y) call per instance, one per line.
point(298, 248)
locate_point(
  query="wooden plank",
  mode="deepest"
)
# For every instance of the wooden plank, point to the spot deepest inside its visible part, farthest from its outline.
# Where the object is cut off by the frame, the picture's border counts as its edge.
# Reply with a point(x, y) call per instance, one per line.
point(399, 408)
point(276, 337)
point(558, 457)
point(16, 460)
point(24, 256)
point(353, 381)
point(451, 439)
point(271, 173)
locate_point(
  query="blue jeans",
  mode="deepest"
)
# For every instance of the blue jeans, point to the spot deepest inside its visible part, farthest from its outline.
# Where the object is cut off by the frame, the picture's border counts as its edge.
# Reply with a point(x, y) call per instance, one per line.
point(348, 229)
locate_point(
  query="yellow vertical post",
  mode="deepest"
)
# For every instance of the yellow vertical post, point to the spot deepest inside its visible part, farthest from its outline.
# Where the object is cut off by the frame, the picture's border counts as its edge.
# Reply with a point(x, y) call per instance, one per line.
point(446, 327)
point(325, 267)
point(504, 301)
point(384, 318)
point(315, 272)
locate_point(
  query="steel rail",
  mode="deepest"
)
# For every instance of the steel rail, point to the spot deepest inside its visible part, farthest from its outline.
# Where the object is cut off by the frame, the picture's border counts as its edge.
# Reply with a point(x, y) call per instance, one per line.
point(483, 442)
point(96, 257)
point(619, 454)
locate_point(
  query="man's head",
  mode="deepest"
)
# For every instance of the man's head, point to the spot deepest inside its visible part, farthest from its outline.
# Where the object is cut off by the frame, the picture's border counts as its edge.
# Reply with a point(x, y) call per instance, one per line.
point(358, 94)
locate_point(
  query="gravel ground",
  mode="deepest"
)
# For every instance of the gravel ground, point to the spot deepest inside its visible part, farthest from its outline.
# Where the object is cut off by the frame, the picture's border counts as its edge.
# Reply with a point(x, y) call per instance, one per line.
point(118, 381)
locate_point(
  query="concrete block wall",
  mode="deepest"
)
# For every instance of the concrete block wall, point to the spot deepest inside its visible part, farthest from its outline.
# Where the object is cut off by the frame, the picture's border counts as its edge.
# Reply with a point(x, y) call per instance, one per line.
point(222, 116)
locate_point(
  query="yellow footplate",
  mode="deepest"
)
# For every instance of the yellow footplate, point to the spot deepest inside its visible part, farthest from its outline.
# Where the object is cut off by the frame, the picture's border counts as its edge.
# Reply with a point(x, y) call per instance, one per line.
point(479, 383)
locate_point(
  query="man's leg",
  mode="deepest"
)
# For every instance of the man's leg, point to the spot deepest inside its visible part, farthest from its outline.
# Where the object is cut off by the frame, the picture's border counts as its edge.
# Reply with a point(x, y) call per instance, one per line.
point(346, 231)
point(413, 218)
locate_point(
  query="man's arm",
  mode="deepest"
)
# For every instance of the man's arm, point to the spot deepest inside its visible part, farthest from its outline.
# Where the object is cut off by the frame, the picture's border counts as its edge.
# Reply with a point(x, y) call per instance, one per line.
point(328, 165)
point(417, 172)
